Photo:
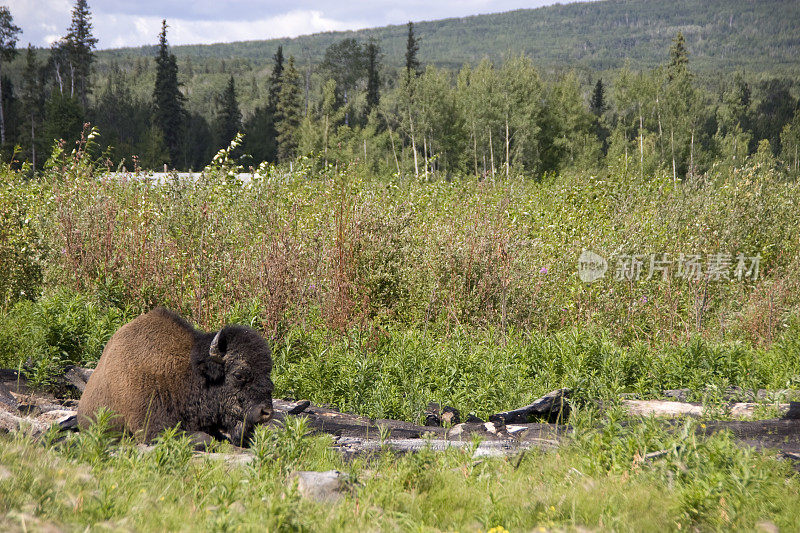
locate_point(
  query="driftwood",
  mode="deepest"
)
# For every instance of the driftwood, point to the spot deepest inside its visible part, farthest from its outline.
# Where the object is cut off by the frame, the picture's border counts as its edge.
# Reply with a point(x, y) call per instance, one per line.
point(669, 409)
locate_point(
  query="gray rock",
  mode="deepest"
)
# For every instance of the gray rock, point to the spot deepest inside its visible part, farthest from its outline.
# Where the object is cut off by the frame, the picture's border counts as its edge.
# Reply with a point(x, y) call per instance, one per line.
point(7, 398)
point(325, 486)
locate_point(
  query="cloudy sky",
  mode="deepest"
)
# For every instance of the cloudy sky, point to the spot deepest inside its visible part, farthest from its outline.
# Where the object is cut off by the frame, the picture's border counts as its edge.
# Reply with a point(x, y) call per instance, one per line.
point(120, 23)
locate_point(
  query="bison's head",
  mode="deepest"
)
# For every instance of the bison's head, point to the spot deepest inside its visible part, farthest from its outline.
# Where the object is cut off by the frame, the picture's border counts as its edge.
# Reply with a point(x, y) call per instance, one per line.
point(239, 366)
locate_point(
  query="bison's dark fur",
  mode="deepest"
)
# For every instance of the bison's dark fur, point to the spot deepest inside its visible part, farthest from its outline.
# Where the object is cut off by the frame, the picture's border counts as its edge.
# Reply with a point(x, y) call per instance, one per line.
point(158, 371)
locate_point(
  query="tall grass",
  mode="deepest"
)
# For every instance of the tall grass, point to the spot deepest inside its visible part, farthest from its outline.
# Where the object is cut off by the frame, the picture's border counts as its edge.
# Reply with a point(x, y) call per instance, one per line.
point(348, 251)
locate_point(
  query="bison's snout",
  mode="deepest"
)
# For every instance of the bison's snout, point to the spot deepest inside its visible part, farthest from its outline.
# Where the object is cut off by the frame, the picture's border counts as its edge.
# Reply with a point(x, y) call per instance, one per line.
point(261, 414)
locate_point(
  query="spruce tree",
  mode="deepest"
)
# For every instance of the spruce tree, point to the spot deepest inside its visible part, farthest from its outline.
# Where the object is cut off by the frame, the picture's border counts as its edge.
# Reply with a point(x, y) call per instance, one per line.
point(678, 57)
point(168, 110)
point(275, 80)
point(412, 47)
point(372, 51)
point(79, 43)
point(8, 50)
point(598, 101)
point(288, 112)
point(229, 117)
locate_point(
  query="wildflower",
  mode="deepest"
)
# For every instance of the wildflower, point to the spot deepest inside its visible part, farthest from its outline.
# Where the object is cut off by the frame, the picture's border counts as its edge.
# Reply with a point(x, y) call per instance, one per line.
point(543, 270)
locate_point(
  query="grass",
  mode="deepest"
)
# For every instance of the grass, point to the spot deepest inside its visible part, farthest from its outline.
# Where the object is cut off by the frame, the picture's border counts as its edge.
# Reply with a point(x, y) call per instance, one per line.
point(598, 481)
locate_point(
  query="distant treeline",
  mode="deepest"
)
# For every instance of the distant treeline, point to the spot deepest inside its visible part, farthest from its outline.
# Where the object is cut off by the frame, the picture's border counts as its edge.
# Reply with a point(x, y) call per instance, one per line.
point(386, 110)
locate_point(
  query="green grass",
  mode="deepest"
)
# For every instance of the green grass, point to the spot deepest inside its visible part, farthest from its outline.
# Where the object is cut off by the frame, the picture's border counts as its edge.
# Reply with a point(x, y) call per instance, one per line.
point(597, 481)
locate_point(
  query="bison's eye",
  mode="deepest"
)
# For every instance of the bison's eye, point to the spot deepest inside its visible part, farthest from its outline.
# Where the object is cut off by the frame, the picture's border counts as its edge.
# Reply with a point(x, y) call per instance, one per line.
point(242, 375)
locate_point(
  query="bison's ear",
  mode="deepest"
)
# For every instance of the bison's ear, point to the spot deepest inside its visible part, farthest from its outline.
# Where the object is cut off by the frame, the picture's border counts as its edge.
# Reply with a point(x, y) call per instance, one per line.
point(212, 365)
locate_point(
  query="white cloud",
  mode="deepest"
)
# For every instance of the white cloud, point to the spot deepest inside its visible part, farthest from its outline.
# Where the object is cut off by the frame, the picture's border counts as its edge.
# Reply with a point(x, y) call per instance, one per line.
point(118, 23)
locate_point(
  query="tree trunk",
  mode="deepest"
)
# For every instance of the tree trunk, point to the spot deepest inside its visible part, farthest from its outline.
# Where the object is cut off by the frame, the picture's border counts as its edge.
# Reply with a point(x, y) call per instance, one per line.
point(425, 154)
point(33, 144)
point(691, 157)
point(491, 153)
point(413, 143)
point(475, 149)
point(325, 148)
point(507, 143)
point(672, 147)
point(641, 144)
point(394, 151)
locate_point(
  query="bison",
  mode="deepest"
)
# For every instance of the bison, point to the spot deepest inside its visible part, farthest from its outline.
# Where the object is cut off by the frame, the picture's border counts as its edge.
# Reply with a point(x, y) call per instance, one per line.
point(158, 371)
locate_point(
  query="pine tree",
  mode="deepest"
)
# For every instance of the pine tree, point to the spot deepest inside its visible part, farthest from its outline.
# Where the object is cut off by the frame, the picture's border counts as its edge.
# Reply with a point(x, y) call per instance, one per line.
point(229, 118)
point(412, 47)
point(598, 101)
point(678, 57)
point(8, 50)
point(275, 80)
point(372, 51)
point(79, 43)
point(32, 99)
point(289, 112)
point(168, 110)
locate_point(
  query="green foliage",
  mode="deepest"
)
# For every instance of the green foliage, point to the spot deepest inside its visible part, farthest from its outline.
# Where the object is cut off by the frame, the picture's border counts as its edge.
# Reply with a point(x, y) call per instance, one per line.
point(19, 240)
point(61, 328)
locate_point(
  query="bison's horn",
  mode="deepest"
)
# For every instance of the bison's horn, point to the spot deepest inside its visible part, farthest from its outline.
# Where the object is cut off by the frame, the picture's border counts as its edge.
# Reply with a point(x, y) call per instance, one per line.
point(214, 351)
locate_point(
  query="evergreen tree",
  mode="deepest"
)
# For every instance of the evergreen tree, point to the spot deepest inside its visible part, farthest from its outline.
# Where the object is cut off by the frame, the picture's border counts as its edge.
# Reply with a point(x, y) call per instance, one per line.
point(229, 117)
point(79, 43)
point(32, 101)
point(289, 112)
point(598, 101)
point(372, 52)
point(8, 50)
point(63, 118)
point(678, 57)
point(412, 47)
point(260, 139)
point(275, 80)
point(168, 110)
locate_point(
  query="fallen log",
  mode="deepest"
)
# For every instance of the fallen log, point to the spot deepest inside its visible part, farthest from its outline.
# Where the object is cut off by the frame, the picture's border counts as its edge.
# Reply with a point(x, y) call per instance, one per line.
point(552, 407)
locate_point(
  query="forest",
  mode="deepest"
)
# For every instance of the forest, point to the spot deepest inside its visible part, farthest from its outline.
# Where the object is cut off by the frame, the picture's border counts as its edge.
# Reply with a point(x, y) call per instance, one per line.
point(363, 98)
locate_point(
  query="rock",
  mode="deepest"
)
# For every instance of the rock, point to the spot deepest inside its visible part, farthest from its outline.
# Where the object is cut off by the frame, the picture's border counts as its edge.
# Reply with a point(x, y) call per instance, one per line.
point(77, 376)
point(9, 422)
point(472, 419)
point(7, 398)
point(325, 486)
point(56, 416)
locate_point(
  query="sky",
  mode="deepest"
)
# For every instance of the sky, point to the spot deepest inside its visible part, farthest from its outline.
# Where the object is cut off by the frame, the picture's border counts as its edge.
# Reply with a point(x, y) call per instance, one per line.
point(119, 23)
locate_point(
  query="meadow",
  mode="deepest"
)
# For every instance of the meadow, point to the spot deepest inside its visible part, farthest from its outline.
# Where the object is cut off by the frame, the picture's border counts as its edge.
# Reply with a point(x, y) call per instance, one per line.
point(380, 295)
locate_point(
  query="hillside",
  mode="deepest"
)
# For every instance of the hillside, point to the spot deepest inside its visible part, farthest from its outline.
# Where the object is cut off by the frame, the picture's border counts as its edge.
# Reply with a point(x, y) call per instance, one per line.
point(762, 36)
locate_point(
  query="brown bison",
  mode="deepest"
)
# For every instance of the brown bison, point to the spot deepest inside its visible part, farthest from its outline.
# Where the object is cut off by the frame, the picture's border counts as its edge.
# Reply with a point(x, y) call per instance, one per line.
point(158, 371)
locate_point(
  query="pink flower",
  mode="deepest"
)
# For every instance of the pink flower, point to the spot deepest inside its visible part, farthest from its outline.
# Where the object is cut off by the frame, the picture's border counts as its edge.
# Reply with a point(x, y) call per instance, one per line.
point(543, 270)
